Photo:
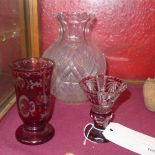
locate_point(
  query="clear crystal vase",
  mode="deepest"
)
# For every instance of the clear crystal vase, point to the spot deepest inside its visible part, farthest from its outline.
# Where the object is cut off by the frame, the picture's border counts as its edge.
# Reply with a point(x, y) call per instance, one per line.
point(75, 56)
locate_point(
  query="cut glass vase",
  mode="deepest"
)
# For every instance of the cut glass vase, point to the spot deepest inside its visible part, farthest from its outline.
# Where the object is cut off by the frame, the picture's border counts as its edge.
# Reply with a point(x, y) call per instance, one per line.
point(75, 56)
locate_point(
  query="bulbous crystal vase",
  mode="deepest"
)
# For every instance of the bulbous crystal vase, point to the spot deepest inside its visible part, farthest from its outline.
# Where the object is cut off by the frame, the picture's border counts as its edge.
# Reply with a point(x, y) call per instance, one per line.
point(75, 56)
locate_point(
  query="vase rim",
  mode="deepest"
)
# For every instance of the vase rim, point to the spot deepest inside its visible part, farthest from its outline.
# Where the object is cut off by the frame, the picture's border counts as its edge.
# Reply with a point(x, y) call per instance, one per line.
point(74, 17)
point(88, 78)
point(21, 65)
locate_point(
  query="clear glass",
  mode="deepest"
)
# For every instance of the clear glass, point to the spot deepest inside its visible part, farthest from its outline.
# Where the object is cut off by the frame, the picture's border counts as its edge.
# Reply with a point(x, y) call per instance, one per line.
point(75, 56)
point(32, 77)
point(102, 92)
point(12, 47)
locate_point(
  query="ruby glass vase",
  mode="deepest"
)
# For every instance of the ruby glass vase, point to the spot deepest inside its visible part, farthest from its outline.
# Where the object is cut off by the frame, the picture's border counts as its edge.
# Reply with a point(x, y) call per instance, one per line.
point(102, 92)
point(32, 77)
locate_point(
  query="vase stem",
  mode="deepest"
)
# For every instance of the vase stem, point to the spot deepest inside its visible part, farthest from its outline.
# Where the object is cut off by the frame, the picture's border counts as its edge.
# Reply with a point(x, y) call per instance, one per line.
point(101, 120)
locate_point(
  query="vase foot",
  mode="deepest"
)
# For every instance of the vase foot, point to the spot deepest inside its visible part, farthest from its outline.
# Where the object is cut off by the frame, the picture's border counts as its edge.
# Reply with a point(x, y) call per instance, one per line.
point(34, 137)
point(94, 134)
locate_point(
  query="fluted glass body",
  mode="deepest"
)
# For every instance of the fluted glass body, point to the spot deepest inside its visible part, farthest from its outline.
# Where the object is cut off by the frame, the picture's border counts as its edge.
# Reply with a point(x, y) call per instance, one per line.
point(102, 92)
point(75, 56)
point(32, 78)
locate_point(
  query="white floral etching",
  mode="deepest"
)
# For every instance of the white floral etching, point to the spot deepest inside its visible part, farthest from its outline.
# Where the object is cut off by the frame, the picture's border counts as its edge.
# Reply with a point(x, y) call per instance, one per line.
point(31, 84)
point(40, 73)
point(20, 82)
point(42, 101)
point(26, 107)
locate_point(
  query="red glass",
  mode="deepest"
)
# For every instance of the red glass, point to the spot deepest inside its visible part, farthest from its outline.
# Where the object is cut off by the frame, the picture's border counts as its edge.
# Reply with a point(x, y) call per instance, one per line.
point(102, 92)
point(32, 78)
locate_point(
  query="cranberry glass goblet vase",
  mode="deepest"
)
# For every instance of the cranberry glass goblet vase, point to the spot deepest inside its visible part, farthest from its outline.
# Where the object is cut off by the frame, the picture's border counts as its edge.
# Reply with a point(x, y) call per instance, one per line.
point(32, 78)
point(102, 92)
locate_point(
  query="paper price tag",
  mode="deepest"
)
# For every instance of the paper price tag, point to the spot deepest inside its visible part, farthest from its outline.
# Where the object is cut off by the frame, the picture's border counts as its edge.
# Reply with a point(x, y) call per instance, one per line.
point(130, 139)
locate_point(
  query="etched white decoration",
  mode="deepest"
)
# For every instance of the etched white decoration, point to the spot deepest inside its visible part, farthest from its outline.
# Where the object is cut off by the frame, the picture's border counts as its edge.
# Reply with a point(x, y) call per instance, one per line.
point(26, 107)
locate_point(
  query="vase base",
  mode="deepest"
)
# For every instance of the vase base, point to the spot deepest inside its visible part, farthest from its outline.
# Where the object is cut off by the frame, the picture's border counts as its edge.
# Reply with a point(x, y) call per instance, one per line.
point(34, 137)
point(94, 134)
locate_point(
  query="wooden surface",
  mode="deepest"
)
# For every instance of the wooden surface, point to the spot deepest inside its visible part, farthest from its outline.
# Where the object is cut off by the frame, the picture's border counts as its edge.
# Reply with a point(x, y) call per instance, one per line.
point(33, 27)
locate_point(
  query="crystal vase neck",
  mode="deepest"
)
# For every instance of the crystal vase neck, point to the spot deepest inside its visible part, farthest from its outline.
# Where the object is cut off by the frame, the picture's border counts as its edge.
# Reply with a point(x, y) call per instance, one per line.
point(74, 26)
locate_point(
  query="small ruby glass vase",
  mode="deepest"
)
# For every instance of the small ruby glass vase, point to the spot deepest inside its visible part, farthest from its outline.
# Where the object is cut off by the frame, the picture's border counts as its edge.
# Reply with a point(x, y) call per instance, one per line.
point(102, 92)
point(32, 78)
